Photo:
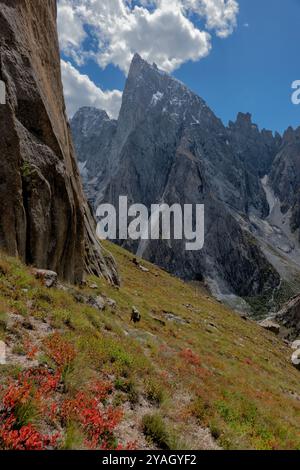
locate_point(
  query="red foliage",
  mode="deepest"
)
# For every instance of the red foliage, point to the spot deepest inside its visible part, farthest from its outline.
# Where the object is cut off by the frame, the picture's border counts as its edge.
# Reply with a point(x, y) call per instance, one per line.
point(39, 387)
point(190, 357)
point(193, 360)
point(25, 438)
point(31, 350)
point(46, 381)
point(101, 389)
point(60, 350)
point(97, 422)
point(16, 394)
point(13, 436)
point(129, 446)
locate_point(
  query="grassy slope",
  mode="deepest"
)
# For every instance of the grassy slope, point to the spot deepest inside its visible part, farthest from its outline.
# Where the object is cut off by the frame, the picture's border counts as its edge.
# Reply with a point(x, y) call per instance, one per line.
point(216, 370)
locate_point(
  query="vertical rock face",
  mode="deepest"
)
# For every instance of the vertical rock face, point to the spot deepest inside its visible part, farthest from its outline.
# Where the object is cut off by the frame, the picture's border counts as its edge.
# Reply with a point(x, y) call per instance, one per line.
point(44, 216)
point(285, 176)
point(93, 133)
point(257, 149)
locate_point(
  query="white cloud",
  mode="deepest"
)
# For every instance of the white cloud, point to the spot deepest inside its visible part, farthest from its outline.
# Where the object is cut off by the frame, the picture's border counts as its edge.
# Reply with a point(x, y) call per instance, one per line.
point(160, 31)
point(70, 30)
point(80, 91)
point(220, 15)
point(111, 31)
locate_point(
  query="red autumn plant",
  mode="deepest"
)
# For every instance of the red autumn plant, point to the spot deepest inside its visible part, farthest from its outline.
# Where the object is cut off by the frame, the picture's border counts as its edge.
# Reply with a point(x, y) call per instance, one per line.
point(97, 422)
point(190, 357)
point(25, 438)
point(16, 394)
point(193, 360)
point(30, 349)
point(39, 387)
point(59, 350)
point(13, 435)
point(44, 381)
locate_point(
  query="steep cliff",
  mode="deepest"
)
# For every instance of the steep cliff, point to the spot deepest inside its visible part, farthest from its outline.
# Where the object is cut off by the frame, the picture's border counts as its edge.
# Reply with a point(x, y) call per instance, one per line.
point(44, 217)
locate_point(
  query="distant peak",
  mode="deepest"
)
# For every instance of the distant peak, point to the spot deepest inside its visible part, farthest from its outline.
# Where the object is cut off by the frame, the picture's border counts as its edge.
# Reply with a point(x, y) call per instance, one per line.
point(90, 111)
point(244, 118)
point(137, 58)
point(138, 62)
point(291, 135)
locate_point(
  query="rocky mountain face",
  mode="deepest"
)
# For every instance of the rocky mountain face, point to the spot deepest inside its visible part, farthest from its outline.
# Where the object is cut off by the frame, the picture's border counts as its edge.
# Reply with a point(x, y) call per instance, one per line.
point(44, 218)
point(285, 176)
point(168, 146)
point(257, 149)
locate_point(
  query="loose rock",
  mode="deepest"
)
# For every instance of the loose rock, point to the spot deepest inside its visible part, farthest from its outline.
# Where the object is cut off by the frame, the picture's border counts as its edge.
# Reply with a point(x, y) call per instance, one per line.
point(135, 315)
point(142, 268)
point(270, 326)
point(296, 345)
point(49, 278)
point(111, 303)
point(2, 353)
point(296, 359)
point(98, 303)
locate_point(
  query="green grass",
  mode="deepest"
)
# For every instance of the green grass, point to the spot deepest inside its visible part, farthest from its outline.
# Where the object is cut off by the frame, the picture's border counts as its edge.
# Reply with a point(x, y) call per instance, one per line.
point(233, 377)
point(156, 431)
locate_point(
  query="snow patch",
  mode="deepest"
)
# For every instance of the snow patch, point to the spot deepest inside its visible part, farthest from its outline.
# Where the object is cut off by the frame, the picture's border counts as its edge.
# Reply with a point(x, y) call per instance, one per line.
point(158, 96)
point(271, 198)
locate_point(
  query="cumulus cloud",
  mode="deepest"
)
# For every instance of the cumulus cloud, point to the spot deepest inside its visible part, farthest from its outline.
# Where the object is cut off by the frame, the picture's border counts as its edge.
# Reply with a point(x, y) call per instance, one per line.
point(111, 31)
point(70, 30)
point(161, 31)
point(80, 91)
point(220, 15)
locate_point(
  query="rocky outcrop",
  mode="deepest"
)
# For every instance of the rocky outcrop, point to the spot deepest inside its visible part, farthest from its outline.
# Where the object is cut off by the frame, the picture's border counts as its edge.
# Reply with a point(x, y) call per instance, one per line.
point(44, 217)
point(2, 353)
point(257, 149)
point(49, 278)
point(285, 177)
point(289, 318)
point(270, 325)
point(168, 146)
point(295, 359)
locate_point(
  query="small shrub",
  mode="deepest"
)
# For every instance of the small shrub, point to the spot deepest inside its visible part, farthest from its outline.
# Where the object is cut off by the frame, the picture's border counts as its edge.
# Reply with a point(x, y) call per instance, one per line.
point(19, 412)
point(25, 438)
point(128, 386)
point(154, 392)
point(155, 430)
point(3, 321)
point(74, 437)
point(96, 423)
point(59, 350)
point(200, 408)
point(190, 357)
point(215, 429)
point(19, 349)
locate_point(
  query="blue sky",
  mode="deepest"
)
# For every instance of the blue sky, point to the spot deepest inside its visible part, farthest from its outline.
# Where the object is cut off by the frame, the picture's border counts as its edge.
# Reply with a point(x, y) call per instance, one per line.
point(251, 70)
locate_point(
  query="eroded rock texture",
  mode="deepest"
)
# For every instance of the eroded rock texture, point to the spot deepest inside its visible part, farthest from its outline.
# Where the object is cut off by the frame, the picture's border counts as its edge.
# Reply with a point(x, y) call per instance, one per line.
point(44, 216)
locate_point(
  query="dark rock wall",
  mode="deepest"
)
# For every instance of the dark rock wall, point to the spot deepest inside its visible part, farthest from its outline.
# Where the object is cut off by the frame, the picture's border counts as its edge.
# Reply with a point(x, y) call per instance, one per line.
point(44, 215)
